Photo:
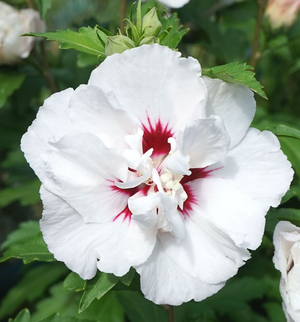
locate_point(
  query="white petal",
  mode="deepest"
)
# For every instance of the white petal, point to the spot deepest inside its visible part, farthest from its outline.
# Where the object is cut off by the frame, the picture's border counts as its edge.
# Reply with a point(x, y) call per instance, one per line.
point(173, 215)
point(52, 121)
point(174, 3)
point(205, 253)
point(164, 282)
point(228, 209)
point(118, 244)
point(160, 86)
point(205, 141)
point(285, 235)
point(82, 171)
point(144, 209)
point(258, 168)
point(124, 244)
point(178, 163)
point(93, 111)
point(235, 105)
point(239, 192)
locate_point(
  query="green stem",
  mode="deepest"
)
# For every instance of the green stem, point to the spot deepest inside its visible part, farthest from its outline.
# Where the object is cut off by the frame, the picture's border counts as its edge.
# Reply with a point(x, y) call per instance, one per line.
point(171, 312)
point(30, 4)
point(123, 5)
point(255, 45)
point(46, 68)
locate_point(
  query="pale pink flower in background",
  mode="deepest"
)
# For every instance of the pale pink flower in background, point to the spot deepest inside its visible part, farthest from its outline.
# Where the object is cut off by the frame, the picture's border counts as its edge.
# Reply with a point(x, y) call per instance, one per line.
point(14, 23)
point(287, 261)
point(152, 165)
point(282, 12)
point(173, 3)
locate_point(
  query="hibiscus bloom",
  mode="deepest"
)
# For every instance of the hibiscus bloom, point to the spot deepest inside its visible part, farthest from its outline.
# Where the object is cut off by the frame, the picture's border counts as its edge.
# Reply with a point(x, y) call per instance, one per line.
point(174, 3)
point(152, 166)
point(282, 12)
point(13, 24)
point(287, 261)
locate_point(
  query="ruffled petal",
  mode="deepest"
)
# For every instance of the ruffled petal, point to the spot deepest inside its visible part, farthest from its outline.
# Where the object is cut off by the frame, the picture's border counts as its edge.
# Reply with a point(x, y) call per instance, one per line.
point(205, 253)
point(234, 104)
point(143, 209)
point(82, 171)
point(259, 168)
point(113, 246)
point(238, 192)
point(101, 114)
point(53, 122)
point(205, 141)
point(164, 282)
point(160, 86)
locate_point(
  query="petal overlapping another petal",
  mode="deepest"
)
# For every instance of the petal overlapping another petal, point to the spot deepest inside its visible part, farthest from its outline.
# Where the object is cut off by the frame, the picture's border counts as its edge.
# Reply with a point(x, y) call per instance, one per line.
point(231, 195)
point(164, 281)
point(113, 246)
point(101, 114)
point(52, 121)
point(206, 253)
point(234, 104)
point(179, 91)
point(82, 171)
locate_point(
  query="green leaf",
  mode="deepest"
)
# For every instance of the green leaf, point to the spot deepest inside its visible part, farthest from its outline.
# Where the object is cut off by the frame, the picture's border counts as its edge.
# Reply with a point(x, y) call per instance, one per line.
point(26, 231)
point(291, 148)
point(23, 316)
point(86, 40)
point(276, 215)
point(96, 288)
point(65, 304)
point(9, 82)
point(27, 194)
point(127, 278)
point(283, 130)
point(34, 249)
point(44, 6)
point(293, 192)
point(138, 309)
point(59, 301)
point(173, 31)
point(32, 286)
point(236, 73)
point(107, 309)
point(59, 318)
point(274, 311)
point(74, 282)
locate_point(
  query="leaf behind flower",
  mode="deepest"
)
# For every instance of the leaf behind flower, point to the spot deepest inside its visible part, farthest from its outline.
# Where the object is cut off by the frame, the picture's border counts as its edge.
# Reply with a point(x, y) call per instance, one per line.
point(85, 40)
point(96, 288)
point(26, 243)
point(236, 73)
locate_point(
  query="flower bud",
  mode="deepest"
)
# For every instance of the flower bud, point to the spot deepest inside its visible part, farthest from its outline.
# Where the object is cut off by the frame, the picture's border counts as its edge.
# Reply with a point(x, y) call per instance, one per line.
point(151, 23)
point(14, 23)
point(118, 44)
point(150, 40)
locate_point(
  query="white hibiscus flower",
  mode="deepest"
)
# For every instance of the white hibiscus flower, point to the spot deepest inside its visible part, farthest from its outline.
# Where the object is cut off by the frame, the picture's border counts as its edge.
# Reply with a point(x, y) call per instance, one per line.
point(13, 24)
point(174, 3)
point(287, 261)
point(151, 165)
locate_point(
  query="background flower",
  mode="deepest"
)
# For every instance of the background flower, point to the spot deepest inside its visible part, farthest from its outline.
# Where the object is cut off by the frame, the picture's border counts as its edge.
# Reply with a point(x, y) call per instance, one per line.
point(282, 12)
point(155, 174)
point(174, 3)
point(287, 261)
point(13, 24)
